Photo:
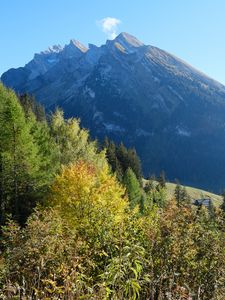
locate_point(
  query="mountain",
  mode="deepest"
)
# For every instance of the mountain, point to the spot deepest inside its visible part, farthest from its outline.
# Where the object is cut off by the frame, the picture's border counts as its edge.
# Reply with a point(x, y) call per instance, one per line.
point(173, 114)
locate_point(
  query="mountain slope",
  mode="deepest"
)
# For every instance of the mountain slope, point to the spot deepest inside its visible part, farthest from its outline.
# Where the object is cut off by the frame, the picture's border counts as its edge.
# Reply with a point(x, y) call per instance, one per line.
point(173, 114)
point(194, 193)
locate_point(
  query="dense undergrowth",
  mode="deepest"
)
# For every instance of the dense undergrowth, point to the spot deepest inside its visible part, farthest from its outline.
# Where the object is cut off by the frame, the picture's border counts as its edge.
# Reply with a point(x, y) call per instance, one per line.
point(76, 227)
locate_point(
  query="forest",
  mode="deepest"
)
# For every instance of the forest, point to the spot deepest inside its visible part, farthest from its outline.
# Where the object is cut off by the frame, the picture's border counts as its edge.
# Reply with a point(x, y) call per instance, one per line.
point(77, 222)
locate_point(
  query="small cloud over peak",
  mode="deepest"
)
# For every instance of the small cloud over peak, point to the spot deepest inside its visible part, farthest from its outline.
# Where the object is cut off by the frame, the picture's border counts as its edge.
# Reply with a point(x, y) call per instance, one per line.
point(109, 26)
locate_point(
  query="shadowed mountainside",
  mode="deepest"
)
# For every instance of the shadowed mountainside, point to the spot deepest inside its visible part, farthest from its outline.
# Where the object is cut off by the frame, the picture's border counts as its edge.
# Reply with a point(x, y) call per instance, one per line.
point(173, 114)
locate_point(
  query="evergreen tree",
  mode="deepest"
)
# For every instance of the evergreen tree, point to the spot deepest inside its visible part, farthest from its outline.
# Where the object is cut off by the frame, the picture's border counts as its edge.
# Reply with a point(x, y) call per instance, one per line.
point(134, 163)
point(149, 185)
point(223, 203)
point(162, 180)
point(122, 156)
point(49, 155)
point(133, 188)
point(178, 193)
point(158, 196)
point(185, 198)
point(181, 195)
point(48, 150)
point(18, 158)
point(211, 209)
point(112, 158)
point(30, 105)
point(143, 201)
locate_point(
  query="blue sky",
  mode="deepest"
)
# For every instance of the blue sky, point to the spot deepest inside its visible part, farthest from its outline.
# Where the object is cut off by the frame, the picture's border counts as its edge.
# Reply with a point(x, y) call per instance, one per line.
point(193, 30)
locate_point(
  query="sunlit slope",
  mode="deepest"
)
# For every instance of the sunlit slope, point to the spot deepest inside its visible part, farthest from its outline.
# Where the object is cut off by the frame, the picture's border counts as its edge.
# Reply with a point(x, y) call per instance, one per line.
point(194, 193)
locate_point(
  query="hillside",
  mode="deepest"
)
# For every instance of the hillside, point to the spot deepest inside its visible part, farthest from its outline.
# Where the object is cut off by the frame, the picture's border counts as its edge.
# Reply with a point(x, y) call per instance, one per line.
point(195, 193)
point(141, 95)
point(73, 229)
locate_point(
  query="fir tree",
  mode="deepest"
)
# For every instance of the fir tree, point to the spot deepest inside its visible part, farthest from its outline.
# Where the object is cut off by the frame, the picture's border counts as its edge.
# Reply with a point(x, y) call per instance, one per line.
point(19, 158)
point(178, 193)
point(162, 180)
point(185, 198)
point(133, 188)
point(122, 156)
point(149, 186)
point(111, 156)
point(134, 163)
point(181, 195)
point(30, 105)
point(223, 203)
point(120, 159)
point(211, 209)
point(142, 203)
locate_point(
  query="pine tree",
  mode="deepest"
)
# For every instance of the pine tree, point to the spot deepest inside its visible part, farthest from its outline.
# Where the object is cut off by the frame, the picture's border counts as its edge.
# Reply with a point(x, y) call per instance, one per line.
point(19, 158)
point(178, 193)
point(133, 188)
point(122, 156)
point(185, 198)
point(111, 155)
point(162, 180)
point(49, 155)
point(181, 195)
point(223, 203)
point(142, 204)
point(149, 185)
point(211, 209)
point(30, 105)
point(134, 163)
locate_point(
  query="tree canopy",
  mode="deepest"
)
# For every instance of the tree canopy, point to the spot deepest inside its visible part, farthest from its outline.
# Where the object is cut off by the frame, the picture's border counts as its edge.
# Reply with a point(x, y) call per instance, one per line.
point(76, 222)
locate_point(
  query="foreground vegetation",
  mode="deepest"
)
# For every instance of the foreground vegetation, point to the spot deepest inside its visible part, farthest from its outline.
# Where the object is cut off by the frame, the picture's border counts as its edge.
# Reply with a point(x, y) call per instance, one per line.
point(76, 227)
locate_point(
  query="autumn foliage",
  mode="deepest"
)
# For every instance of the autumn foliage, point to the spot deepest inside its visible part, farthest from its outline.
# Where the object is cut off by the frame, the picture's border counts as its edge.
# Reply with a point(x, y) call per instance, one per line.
point(75, 232)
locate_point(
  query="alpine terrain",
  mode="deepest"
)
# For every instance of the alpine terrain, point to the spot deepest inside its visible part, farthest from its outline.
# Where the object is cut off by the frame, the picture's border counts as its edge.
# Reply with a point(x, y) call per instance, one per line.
point(170, 112)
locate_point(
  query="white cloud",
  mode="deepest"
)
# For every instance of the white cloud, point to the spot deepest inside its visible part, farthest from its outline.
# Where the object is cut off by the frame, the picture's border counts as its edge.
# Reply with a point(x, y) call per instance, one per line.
point(109, 26)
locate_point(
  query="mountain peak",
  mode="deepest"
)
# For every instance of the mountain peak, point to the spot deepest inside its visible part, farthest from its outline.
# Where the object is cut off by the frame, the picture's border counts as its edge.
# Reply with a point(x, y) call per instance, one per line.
point(126, 42)
point(137, 94)
point(74, 49)
point(53, 49)
point(77, 44)
point(128, 39)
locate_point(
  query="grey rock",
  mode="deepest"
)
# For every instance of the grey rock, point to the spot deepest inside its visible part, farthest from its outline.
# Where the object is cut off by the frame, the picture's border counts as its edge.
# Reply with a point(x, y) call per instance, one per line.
point(172, 113)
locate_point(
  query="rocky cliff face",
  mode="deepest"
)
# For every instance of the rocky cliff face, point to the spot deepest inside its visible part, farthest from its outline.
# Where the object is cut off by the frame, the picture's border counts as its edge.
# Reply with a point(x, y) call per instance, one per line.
point(173, 114)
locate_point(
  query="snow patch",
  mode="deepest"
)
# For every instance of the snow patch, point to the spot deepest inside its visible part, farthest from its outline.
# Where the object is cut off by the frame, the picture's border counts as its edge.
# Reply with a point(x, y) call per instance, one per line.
point(175, 93)
point(142, 132)
point(89, 91)
point(156, 79)
point(182, 131)
point(52, 60)
point(53, 49)
point(98, 116)
point(204, 86)
point(113, 127)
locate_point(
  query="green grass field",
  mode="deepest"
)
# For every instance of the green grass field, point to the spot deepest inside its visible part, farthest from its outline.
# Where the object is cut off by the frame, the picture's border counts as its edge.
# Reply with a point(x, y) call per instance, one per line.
point(194, 193)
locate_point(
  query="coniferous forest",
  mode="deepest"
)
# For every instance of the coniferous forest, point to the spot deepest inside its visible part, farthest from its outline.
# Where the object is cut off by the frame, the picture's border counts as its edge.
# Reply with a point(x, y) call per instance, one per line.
point(77, 222)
